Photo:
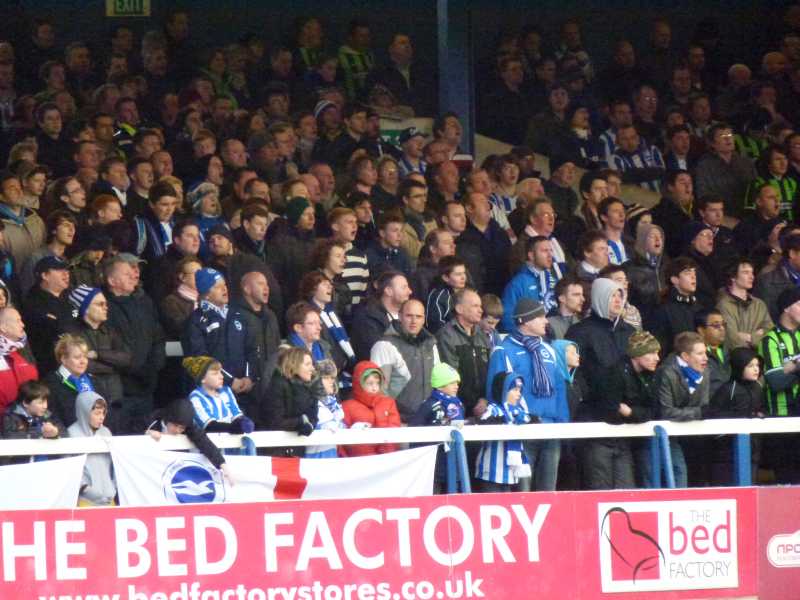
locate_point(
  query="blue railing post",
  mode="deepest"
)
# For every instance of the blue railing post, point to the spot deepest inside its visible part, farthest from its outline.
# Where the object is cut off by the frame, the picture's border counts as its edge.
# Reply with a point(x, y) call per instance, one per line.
point(743, 474)
point(655, 463)
point(452, 470)
point(666, 456)
point(462, 467)
point(248, 446)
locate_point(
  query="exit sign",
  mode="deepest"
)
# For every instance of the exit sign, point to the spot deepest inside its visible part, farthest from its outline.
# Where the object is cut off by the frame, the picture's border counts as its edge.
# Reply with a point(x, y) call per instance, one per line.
point(127, 8)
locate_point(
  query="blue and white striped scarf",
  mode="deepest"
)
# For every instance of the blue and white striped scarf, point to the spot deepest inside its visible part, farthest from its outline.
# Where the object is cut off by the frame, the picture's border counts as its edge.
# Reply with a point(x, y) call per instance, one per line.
point(317, 353)
point(206, 306)
point(541, 385)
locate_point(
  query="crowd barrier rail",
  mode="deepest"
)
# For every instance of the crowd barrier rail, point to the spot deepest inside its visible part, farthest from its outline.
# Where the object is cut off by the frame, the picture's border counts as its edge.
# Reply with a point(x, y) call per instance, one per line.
point(455, 439)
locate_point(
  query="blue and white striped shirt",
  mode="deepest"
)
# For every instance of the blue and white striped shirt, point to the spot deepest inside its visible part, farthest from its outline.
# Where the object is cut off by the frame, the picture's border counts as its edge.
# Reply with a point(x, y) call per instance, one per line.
point(406, 167)
point(645, 157)
point(222, 408)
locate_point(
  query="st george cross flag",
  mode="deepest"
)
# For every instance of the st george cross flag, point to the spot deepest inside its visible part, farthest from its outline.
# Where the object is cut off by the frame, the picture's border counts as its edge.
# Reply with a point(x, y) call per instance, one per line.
point(147, 477)
point(43, 484)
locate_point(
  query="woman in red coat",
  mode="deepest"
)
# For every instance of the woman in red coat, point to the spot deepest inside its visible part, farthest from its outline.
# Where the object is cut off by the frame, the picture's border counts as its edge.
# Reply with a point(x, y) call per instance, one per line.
point(369, 407)
point(15, 369)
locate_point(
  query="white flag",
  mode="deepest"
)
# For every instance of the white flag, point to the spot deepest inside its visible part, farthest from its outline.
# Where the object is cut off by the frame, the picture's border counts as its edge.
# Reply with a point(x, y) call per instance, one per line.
point(147, 476)
point(40, 485)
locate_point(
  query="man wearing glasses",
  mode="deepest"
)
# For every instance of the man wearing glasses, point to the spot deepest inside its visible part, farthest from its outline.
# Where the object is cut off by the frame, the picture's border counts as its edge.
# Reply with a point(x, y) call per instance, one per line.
point(722, 172)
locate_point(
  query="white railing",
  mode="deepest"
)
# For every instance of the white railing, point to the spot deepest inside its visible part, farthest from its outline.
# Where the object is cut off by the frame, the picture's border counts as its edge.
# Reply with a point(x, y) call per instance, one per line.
point(405, 435)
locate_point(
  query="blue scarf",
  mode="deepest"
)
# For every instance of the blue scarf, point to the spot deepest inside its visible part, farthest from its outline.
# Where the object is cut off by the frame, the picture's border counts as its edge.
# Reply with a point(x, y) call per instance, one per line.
point(793, 275)
point(78, 383)
point(8, 213)
point(317, 354)
point(690, 376)
point(541, 385)
point(446, 408)
point(222, 311)
point(547, 284)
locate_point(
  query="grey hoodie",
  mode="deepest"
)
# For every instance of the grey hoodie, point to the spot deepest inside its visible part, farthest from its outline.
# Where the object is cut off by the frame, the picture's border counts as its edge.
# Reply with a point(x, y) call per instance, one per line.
point(602, 290)
point(97, 484)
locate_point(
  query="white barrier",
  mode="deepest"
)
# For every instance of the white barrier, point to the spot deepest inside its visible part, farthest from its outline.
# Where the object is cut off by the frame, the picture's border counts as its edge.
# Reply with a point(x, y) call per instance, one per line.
point(405, 435)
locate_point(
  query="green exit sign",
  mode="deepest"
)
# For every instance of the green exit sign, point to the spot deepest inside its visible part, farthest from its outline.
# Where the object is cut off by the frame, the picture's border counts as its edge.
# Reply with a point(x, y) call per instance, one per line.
point(127, 8)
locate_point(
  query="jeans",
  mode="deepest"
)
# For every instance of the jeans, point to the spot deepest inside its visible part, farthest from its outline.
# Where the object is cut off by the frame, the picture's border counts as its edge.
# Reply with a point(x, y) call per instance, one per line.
point(678, 464)
point(543, 456)
point(608, 465)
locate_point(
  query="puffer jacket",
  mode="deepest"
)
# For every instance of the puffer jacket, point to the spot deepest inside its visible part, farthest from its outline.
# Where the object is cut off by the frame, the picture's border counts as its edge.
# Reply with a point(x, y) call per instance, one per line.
point(376, 410)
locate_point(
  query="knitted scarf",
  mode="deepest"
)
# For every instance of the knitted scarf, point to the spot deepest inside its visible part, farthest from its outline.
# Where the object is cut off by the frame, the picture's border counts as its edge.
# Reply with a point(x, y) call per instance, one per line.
point(446, 408)
point(547, 284)
point(187, 293)
point(517, 414)
point(78, 383)
point(690, 376)
point(334, 326)
point(8, 346)
point(317, 354)
point(541, 385)
point(222, 311)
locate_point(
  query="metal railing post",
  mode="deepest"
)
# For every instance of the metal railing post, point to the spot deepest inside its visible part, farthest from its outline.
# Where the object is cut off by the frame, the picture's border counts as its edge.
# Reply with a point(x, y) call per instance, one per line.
point(462, 467)
point(742, 474)
point(655, 463)
point(666, 456)
point(248, 446)
point(452, 470)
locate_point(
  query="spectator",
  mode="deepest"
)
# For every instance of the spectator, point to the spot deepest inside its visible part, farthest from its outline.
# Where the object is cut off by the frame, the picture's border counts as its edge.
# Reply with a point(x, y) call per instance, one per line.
point(178, 417)
point(249, 238)
point(439, 305)
point(411, 141)
point(593, 247)
point(289, 253)
point(785, 276)
point(23, 230)
point(387, 253)
point(630, 314)
point(773, 169)
point(356, 59)
point(646, 271)
point(214, 330)
point(674, 211)
point(355, 275)
point(60, 227)
point(406, 353)
point(177, 306)
point(638, 162)
point(756, 225)
point(492, 315)
point(369, 407)
point(439, 244)
point(700, 249)
point(98, 487)
point(29, 417)
point(746, 317)
point(540, 220)
point(417, 226)
point(682, 393)
point(612, 215)
point(711, 326)
point(47, 311)
point(722, 172)
point(291, 403)
point(524, 354)
point(536, 280)
point(16, 364)
point(569, 294)
point(559, 188)
point(676, 314)
point(215, 405)
point(108, 356)
point(742, 397)
point(133, 315)
point(154, 227)
point(484, 246)
point(71, 378)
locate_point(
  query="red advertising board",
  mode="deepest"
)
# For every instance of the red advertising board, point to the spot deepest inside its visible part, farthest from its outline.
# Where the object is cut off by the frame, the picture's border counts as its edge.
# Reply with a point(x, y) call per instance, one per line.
point(778, 542)
point(664, 544)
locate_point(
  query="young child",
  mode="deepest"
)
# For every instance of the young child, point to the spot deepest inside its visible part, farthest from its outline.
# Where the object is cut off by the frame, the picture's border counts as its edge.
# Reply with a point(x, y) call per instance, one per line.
point(215, 406)
point(97, 486)
point(178, 418)
point(28, 417)
point(501, 464)
point(443, 407)
point(492, 315)
point(330, 414)
point(740, 398)
point(369, 407)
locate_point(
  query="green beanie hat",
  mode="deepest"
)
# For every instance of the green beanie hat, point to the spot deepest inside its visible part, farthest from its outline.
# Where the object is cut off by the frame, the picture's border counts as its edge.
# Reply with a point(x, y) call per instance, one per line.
point(443, 374)
point(295, 208)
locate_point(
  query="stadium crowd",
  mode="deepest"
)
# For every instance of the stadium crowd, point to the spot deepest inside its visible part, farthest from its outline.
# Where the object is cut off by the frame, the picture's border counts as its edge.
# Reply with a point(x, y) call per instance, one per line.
point(242, 201)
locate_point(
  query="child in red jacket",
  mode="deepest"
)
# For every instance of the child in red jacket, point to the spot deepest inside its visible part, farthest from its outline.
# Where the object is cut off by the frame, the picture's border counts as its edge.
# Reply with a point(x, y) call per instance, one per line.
point(369, 407)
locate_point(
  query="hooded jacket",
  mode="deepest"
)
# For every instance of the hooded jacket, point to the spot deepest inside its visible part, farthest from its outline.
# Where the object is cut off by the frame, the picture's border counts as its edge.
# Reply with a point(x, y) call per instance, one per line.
point(97, 484)
point(377, 410)
point(574, 382)
point(738, 398)
point(647, 277)
point(602, 342)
